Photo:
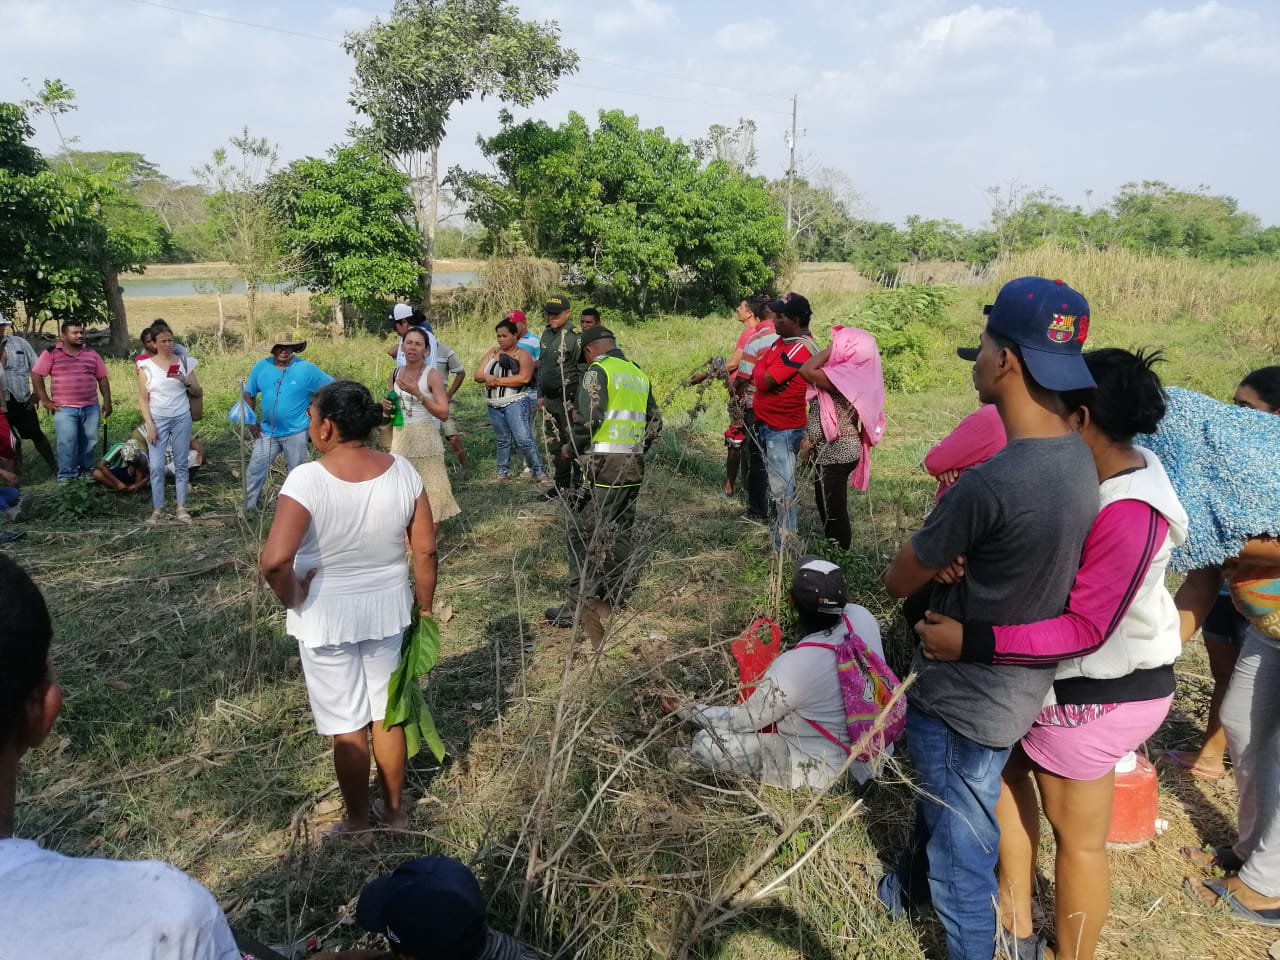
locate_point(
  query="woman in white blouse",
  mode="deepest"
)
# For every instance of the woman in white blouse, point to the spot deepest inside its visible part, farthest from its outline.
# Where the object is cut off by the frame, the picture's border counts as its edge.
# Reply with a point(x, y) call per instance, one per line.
point(166, 383)
point(335, 559)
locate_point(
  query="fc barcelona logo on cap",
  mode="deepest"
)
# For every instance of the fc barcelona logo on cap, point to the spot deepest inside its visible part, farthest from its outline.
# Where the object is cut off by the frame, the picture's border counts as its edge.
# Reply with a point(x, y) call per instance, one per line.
point(1063, 328)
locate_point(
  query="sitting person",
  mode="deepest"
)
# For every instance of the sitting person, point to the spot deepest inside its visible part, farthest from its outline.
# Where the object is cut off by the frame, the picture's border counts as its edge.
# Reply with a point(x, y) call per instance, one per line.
point(124, 468)
point(55, 906)
point(427, 908)
point(799, 693)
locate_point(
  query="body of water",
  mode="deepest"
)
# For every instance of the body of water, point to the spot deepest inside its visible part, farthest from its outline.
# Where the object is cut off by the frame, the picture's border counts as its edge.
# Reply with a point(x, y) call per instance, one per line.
point(144, 287)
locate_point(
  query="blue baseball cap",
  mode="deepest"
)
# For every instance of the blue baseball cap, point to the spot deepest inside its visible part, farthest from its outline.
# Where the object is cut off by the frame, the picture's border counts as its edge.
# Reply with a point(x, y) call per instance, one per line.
point(1049, 321)
point(428, 907)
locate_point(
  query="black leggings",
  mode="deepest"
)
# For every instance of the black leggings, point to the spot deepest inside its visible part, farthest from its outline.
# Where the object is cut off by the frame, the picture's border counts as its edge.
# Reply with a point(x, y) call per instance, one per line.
point(830, 490)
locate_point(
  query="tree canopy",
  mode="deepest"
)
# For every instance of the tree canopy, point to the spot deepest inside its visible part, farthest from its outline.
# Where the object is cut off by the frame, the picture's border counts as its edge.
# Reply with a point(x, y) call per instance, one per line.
point(412, 69)
point(344, 221)
point(633, 211)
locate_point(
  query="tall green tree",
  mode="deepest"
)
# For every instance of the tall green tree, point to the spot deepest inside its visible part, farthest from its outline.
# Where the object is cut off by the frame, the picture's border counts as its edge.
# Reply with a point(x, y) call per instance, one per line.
point(345, 222)
point(430, 56)
point(46, 230)
point(99, 230)
point(636, 212)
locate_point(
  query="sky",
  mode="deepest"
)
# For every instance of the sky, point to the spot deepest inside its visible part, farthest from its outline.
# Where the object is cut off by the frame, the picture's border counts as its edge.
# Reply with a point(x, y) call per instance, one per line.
point(923, 104)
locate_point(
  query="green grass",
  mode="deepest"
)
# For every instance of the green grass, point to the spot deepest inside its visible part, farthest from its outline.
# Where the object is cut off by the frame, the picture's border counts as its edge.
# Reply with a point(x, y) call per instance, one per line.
point(186, 735)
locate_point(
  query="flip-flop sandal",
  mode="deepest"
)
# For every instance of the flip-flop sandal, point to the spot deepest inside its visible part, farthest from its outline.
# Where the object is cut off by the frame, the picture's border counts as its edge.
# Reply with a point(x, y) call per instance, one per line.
point(1226, 902)
point(1182, 759)
point(1222, 858)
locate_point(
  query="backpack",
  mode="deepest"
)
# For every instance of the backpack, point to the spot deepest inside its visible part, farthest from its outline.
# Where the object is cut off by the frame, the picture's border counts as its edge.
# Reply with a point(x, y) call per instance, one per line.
point(867, 684)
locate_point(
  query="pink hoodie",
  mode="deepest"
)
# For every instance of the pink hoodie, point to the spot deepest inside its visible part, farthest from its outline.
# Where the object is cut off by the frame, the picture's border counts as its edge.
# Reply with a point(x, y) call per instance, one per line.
point(854, 369)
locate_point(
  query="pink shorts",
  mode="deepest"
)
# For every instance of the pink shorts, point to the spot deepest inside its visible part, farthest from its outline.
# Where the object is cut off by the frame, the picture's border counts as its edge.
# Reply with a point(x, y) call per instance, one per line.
point(1087, 752)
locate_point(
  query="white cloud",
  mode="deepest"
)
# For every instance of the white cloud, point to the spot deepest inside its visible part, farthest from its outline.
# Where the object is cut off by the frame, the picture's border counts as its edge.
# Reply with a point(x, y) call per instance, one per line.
point(747, 35)
point(978, 28)
point(1167, 28)
point(636, 16)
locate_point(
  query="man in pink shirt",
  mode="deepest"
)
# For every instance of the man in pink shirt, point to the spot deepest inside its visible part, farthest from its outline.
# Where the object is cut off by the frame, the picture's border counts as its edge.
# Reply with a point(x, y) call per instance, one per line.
point(76, 375)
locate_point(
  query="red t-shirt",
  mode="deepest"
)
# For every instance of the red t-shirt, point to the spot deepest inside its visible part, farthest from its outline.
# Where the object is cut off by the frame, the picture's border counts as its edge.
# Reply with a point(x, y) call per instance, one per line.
point(783, 407)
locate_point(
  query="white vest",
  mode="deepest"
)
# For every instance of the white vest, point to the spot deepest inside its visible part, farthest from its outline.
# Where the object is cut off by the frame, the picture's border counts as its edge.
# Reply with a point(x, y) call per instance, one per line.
point(1149, 634)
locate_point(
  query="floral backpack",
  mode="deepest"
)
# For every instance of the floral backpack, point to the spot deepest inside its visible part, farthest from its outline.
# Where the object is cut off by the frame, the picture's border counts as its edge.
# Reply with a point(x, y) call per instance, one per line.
point(867, 684)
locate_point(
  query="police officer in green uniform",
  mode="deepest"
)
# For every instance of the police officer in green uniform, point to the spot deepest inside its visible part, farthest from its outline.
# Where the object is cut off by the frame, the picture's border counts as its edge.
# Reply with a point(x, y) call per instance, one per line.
point(616, 420)
point(559, 372)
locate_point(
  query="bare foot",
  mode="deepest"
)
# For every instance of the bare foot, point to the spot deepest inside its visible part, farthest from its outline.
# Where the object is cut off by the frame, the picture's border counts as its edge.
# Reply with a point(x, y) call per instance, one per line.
point(1223, 858)
point(183, 516)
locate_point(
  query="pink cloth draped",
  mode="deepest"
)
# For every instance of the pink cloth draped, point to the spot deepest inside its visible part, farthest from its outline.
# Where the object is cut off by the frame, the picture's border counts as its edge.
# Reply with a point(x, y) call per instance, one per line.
point(854, 369)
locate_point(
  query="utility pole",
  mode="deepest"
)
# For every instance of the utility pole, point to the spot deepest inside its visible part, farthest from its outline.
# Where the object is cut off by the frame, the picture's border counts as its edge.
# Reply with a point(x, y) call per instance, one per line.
point(791, 163)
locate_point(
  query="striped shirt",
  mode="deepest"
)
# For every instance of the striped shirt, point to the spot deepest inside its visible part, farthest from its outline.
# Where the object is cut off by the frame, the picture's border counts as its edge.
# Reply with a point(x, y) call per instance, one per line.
point(73, 380)
point(755, 342)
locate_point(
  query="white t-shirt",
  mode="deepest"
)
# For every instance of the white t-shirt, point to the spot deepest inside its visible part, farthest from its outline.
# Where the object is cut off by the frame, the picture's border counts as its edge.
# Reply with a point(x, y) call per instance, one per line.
point(801, 685)
point(68, 908)
point(355, 542)
point(167, 395)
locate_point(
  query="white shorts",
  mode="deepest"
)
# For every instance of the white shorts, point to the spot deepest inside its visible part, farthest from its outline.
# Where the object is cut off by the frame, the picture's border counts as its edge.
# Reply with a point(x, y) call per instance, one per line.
point(347, 682)
point(449, 429)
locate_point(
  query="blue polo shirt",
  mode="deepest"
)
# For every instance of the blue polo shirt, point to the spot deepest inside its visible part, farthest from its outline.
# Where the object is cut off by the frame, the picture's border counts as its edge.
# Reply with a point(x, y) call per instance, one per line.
point(286, 394)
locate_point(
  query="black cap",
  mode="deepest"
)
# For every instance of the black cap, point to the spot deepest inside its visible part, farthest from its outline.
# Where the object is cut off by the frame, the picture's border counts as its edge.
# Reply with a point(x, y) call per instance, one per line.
point(793, 305)
point(818, 585)
point(556, 305)
point(592, 334)
point(429, 907)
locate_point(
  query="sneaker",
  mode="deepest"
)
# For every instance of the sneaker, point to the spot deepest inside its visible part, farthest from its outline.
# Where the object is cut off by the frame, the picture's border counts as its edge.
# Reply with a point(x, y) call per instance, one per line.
point(183, 516)
point(155, 518)
point(13, 512)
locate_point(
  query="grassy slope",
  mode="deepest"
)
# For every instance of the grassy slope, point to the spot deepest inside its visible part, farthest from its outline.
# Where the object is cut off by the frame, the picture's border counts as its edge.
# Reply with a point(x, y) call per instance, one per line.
point(186, 734)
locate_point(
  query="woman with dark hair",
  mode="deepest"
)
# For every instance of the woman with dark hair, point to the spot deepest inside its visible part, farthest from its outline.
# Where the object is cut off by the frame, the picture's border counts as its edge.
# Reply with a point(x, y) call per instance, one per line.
point(506, 371)
point(167, 384)
point(424, 402)
point(1224, 628)
point(1114, 649)
point(335, 559)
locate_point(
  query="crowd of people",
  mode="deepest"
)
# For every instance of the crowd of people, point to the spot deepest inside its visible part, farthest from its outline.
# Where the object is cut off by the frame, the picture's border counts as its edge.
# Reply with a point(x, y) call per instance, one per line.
point(1036, 586)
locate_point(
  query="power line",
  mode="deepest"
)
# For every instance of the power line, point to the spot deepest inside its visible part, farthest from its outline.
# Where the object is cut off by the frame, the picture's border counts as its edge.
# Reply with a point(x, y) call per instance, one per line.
point(242, 23)
point(571, 83)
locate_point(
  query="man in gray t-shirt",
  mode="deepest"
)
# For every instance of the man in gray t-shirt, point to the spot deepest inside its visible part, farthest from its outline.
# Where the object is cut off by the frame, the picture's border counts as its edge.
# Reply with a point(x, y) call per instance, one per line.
point(1015, 525)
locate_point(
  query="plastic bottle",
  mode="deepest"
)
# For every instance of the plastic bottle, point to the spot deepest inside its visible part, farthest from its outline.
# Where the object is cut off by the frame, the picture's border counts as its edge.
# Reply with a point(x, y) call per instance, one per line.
point(397, 414)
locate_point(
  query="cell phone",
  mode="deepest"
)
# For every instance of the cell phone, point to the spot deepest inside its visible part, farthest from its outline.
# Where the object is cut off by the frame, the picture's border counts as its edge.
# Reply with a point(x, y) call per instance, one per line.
point(174, 369)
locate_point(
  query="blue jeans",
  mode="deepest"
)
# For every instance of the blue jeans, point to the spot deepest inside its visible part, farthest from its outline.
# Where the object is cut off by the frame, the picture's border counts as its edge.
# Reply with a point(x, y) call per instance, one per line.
point(512, 423)
point(265, 451)
point(951, 856)
point(780, 449)
point(9, 497)
point(77, 431)
point(175, 433)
